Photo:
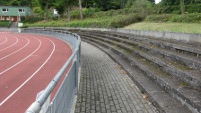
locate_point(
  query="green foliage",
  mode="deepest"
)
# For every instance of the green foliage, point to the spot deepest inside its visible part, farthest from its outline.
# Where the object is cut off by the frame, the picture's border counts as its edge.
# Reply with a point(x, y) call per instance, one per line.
point(169, 9)
point(63, 5)
point(37, 10)
point(24, 26)
point(45, 3)
point(104, 21)
point(177, 2)
point(104, 5)
point(125, 11)
point(16, 2)
point(90, 12)
point(75, 14)
point(87, 13)
point(187, 18)
point(125, 20)
point(143, 7)
point(130, 3)
point(4, 23)
point(194, 8)
point(159, 18)
point(31, 19)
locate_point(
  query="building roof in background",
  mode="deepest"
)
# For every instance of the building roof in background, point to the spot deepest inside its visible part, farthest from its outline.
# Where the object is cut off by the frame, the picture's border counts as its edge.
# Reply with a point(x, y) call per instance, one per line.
point(15, 11)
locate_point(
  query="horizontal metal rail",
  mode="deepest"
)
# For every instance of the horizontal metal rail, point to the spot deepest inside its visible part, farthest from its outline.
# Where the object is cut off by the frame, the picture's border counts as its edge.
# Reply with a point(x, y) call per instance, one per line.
point(73, 61)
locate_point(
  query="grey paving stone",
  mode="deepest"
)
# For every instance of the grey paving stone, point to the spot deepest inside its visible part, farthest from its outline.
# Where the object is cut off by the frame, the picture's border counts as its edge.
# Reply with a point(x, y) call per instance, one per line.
point(105, 87)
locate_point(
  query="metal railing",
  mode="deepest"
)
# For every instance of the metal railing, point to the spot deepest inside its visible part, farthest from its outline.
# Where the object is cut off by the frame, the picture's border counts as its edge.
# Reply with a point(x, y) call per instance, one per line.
point(63, 100)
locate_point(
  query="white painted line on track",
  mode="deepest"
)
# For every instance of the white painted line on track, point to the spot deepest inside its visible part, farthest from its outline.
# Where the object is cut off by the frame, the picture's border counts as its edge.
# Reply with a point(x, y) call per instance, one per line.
point(30, 76)
point(4, 41)
point(16, 51)
point(10, 45)
point(22, 59)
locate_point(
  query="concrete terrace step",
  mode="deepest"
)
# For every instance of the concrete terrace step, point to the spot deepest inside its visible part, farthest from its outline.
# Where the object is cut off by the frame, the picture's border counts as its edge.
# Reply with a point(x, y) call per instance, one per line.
point(191, 60)
point(157, 95)
point(185, 46)
point(167, 82)
point(156, 62)
point(166, 66)
point(171, 44)
point(163, 101)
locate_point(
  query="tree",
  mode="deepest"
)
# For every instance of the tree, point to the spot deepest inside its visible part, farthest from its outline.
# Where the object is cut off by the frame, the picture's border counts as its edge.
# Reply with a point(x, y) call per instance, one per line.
point(80, 5)
point(123, 3)
point(21, 3)
point(142, 7)
point(130, 3)
point(182, 5)
point(88, 3)
point(45, 5)
point(4, 2)
point(152, 1)
point(64, 7)
point(169, 2)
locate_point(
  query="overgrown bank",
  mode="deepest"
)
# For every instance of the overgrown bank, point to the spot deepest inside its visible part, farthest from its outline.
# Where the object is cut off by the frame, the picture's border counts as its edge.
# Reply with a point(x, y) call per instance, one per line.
point(93, 18)
point(123, 17)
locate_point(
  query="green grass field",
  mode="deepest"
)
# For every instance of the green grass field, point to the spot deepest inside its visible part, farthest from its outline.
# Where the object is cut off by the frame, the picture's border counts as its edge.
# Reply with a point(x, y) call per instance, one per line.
point(168, 27)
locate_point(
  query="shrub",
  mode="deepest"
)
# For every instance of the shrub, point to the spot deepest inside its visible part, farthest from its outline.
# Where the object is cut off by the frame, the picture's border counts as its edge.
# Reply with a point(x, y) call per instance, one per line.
point(86, 13)
point(187, 18)
point(169, 9)
point(196, 8)
point(75, 14)
point(159, 18)
point(143, 7)
point(31, 19)
point(4, 23)
point(192, 8)
point(124, 20)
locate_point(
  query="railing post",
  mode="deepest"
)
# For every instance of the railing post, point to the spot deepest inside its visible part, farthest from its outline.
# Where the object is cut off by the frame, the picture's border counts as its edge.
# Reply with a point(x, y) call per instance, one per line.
point(34, 108)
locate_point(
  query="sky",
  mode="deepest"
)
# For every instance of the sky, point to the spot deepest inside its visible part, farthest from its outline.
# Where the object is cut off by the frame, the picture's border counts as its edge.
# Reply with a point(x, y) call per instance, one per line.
point(157, 1)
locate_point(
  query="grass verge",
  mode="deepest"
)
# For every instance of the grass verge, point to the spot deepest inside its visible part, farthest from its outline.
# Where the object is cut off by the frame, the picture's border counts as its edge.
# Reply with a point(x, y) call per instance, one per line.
point(167, 27)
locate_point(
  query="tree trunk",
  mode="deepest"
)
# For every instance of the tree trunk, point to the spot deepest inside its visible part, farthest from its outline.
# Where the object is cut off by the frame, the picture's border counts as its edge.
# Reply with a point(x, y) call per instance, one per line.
point(182, 6)
point(80, 5)
point(68, 14)
point(46, 11)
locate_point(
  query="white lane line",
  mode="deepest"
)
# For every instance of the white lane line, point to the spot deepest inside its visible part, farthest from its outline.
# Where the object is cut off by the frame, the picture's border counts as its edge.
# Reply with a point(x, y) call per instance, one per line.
point(28, 41)
point(22, 59)
point(10, 45)
point(4, 41)
point(30, 76)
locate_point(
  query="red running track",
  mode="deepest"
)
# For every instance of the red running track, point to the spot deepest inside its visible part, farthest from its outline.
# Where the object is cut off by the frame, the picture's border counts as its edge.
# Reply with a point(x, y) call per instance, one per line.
point(27, 64)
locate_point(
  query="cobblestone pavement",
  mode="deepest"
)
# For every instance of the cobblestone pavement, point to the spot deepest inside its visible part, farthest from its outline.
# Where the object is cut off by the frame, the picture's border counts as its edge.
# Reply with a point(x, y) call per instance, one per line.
point(106, 88)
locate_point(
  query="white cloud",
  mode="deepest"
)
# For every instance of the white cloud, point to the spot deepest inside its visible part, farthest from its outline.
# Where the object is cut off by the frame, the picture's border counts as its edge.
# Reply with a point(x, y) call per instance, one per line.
point(157, 1)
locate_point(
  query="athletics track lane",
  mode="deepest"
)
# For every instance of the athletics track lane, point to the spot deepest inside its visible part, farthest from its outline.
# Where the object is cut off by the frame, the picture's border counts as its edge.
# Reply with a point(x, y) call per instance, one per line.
point(27, 64)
